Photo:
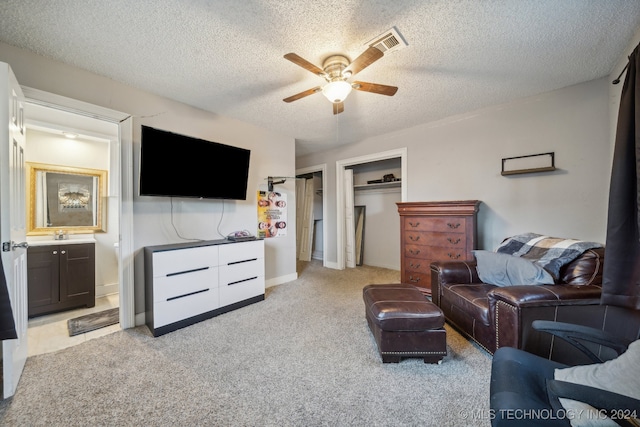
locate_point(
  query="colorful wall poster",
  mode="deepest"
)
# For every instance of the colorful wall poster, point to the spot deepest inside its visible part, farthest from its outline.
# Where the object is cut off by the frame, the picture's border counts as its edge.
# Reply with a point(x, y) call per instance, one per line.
point(272, 214)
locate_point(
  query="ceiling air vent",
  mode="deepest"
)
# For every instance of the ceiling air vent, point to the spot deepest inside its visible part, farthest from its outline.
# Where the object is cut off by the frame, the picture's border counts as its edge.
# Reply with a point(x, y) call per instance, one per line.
point(388, 42)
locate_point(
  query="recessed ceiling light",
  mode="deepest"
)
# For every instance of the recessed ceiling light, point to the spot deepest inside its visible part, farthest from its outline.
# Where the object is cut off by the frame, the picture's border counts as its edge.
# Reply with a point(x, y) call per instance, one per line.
point(70, 135)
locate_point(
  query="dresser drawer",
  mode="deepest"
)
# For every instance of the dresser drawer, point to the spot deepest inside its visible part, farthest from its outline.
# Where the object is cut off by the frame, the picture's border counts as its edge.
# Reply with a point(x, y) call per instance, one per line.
point(434, 253)
point(421, 280)
point(425, 223)
point(166, 312)
point(241, 271)
point(434, 238)
point(181, 260)
point(233, 292)
point(417, 265)
point(172, 286)
point(241, 251)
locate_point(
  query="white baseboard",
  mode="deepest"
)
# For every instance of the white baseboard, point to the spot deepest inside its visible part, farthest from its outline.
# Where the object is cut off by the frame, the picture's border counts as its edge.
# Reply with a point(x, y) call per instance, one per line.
point(333, 265)
point(104, 290)
point(280, 280)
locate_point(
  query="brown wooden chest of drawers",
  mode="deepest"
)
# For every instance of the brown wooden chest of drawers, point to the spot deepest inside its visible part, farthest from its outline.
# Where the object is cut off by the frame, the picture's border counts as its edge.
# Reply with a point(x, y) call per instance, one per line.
point(435, 231)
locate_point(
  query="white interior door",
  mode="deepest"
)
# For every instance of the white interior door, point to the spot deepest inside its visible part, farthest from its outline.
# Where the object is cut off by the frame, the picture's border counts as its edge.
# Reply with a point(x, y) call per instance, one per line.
point(13, 223)
point(306, 229)
point(349, 221)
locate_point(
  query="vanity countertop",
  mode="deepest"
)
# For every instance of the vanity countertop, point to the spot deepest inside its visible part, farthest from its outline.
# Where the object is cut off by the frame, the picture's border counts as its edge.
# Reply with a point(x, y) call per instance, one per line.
point(48, 240)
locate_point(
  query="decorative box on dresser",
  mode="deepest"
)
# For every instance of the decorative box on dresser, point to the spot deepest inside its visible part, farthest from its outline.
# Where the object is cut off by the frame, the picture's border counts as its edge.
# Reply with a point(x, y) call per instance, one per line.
point(186, 283)
point(434, 231)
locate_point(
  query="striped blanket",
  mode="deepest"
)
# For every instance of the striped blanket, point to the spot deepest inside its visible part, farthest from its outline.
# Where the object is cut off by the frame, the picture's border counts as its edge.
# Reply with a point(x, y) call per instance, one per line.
point(550, 253)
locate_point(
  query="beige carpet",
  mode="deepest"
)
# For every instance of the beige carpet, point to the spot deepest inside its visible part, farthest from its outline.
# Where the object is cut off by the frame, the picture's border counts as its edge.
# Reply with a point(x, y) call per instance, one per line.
point(302, 357)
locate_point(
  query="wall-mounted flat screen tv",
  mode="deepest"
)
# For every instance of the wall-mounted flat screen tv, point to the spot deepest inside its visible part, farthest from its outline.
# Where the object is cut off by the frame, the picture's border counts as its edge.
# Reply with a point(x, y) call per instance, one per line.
point(174, 165)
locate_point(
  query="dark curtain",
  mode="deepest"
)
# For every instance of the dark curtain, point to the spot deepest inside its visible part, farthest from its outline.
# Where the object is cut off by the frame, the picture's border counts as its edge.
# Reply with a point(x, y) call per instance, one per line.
point(7, 326)
point(621, 281)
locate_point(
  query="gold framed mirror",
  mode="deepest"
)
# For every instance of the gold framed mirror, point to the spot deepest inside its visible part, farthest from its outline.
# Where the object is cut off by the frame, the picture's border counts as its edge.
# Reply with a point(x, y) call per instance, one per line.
point(65, 198)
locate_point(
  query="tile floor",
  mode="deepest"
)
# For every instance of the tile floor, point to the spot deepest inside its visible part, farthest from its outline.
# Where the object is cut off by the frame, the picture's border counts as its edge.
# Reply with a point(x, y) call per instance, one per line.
point(49, 333)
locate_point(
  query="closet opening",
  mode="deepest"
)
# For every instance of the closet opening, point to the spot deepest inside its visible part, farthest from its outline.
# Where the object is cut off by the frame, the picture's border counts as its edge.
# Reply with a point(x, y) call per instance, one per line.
point(310, 214)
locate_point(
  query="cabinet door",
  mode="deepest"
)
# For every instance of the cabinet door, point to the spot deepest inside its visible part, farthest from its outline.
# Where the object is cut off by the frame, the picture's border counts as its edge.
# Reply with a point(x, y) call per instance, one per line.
point(42, 274)
point(77, 272)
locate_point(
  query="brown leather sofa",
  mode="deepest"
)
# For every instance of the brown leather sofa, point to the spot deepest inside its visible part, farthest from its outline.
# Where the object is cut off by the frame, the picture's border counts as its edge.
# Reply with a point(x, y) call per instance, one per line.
point(501, 316)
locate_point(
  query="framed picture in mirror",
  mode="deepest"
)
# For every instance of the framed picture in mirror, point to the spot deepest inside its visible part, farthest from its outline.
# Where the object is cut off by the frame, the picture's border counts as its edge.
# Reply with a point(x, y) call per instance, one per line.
point(65, 198)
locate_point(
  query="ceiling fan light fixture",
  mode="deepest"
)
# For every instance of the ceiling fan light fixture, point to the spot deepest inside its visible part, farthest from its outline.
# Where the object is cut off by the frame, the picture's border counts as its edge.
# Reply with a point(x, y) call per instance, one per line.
point(336, 91)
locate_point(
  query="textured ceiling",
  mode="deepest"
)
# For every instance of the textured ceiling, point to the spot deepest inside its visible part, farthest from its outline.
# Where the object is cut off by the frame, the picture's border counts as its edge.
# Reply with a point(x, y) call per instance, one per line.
point(226, 56)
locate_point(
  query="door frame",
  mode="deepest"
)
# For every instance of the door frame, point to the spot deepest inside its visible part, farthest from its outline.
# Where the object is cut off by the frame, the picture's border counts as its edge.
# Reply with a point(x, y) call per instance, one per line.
point(125, 193)
point(322, 168)
point(340, 195)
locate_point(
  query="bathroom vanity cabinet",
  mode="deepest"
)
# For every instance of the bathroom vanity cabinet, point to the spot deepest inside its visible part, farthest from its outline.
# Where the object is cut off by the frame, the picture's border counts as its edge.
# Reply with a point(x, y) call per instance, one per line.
point(60, 277)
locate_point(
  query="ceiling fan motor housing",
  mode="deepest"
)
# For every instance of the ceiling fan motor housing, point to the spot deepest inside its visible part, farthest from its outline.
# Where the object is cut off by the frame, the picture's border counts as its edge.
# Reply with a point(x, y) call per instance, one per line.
point(333, 67)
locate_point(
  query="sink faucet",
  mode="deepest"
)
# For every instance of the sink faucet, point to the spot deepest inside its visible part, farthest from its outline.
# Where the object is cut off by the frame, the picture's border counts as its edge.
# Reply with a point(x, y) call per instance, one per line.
point(60, 235)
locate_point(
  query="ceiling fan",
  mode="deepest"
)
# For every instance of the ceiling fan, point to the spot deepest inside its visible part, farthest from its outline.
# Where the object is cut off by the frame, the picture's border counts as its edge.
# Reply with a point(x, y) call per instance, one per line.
point(336, 70)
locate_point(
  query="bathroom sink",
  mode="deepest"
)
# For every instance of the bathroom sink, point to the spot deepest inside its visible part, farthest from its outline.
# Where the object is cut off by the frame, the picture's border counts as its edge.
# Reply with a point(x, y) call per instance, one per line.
point(47, 240)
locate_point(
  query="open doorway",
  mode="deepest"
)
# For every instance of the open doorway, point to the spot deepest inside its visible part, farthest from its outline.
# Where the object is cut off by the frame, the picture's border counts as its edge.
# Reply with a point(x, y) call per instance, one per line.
point(311, 211)
point(47, 115)
point(59, 139)
point(344, 191)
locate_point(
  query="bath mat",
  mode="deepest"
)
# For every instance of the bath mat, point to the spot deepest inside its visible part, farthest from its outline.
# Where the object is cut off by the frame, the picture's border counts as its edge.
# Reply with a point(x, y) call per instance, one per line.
point(93, 321)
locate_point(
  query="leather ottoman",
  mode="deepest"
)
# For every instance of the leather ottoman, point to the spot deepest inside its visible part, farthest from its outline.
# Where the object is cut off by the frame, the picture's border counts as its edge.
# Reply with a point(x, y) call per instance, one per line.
point(404, 323)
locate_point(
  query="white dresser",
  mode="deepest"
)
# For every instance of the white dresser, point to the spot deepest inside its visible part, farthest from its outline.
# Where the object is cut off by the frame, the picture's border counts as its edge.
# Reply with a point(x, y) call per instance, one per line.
point(186, 283)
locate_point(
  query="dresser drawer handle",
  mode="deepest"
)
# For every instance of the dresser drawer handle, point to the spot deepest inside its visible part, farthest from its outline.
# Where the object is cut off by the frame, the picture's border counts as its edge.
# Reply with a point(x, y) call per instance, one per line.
point(414, 224)
point(454, 226)
point(414, 279)
point(177, 273)
point(416, 252)
point(453, 242)
point(240, 262)
point(414, 238)
point(242, 281)
point(453, 256)
point(188, 295)
point(412, 265)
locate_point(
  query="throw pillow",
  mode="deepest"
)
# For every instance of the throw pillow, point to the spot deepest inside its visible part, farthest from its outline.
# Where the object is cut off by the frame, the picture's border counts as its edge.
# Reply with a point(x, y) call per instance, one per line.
point(619, 375)
point(507, 270)
point(551, 253)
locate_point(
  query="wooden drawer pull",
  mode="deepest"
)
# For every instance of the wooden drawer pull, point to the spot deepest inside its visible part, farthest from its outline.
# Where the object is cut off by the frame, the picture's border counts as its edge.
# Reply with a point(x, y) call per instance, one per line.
point(412, 265)
point(454, 226)
point(453, 242)
point(414, 238)
point(414, 252)
point(453, 256)
point(414, 279)
point(414, 224)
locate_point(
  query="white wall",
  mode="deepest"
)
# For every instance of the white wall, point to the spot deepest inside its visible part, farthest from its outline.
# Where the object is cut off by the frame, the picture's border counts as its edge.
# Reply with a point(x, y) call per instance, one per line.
point(271, 154)
point(459, 158)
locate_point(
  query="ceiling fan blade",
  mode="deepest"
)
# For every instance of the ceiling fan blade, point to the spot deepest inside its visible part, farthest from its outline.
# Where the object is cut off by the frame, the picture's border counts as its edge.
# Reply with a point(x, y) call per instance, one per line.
point(375, 88)
point(303, 94)
point(365, 59)
point(338, 107)
point(304, 64)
